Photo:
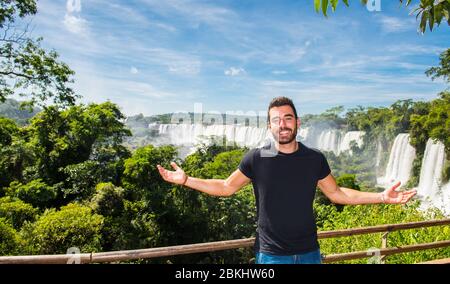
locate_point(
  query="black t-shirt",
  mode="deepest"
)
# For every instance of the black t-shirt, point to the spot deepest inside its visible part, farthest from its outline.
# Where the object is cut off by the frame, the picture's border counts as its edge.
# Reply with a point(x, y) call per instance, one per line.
point(285, 186)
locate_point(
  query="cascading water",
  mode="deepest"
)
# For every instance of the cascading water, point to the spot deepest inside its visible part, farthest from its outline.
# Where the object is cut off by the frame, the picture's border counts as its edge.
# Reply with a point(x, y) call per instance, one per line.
point(188, 135)
point(329, 140)
point(431, 190)
point(303, 134)
point(332, 140)
point(400, 162)
point(379, 153)
point(350, 136)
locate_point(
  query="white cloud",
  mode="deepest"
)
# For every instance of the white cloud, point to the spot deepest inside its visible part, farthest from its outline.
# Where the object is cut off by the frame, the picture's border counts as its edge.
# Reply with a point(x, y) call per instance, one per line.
point(279, 72)
point(395, 25)
point(338, 93)
point(193, 11)
point(285, 55)
point(147, 96)
point(233, 71)
point(142, 90)
point(412, 49)
point(76, 25)
point(95, 86)
point(176, 62)
point(184, 68)
point(134, 70)
point(166, 27)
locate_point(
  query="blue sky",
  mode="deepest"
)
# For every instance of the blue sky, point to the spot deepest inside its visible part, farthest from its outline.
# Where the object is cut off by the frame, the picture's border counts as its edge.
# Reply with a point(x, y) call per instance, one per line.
point(160, 56)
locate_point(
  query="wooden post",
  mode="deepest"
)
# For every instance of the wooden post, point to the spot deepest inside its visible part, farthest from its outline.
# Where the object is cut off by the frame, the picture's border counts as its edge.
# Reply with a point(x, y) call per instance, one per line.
point(383, 246)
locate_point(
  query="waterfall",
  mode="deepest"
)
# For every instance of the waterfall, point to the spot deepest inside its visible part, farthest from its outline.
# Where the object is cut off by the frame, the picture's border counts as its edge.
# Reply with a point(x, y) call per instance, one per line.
point(303, 134)
point(329, 140)
point(400, 162)
point(348, 138)
point(191, 134)
point(379, 153)
point(430, 190)
point(334, 141)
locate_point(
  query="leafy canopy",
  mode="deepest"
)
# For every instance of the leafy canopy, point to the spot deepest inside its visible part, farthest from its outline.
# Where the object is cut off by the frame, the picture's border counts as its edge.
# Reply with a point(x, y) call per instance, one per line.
point(26, 69)
point(431, 12)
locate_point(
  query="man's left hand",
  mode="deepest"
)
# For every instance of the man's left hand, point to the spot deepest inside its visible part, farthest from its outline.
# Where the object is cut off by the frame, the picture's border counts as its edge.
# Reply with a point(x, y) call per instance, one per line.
point(390, 196)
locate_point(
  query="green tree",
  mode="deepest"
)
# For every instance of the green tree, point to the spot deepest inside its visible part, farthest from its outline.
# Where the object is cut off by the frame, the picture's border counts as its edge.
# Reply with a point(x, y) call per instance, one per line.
point(217, 218)
point(430, 12)
point(36, 192)
point(128, 224)
point(434, 123)
point(141, 177)
point(7, 129)
point(137, 228)
point(401, 114)
point(145, 189)
point(206, 152)
point(75, 135)
point(26, 68)
point(334, 114)
point(108, 200)
point(15, 160)
point(223, 164)
point(432, 120)
point(16, 211)
point(9, 9)
point(442, 71)
point(10, 241)
point(73, 225)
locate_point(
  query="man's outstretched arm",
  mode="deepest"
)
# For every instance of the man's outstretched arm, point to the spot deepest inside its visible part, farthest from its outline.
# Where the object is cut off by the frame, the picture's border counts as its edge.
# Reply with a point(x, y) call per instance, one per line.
point(347, 196)
point(216, 187)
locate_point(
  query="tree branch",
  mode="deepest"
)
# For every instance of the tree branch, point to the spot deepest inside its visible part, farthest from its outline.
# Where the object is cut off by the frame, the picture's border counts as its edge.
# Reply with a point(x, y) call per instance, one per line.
point(9, 73)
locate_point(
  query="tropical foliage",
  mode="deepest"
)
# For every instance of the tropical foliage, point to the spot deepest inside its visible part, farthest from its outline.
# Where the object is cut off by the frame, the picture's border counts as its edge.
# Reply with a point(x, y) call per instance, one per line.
point(429, 11)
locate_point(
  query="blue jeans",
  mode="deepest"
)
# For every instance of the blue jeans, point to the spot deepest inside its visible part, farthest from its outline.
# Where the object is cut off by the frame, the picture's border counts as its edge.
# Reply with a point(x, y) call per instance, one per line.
point(313, 257)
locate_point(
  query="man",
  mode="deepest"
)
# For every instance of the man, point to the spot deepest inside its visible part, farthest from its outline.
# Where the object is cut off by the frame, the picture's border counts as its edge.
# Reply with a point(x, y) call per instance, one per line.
point(285, 175)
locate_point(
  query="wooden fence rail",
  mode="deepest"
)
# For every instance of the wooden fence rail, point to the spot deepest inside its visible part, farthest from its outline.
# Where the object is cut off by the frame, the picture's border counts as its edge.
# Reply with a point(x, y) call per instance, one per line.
point(126, 255)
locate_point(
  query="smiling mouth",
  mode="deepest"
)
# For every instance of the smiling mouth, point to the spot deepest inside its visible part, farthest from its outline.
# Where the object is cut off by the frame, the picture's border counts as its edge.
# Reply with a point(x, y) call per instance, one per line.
point(285, 132)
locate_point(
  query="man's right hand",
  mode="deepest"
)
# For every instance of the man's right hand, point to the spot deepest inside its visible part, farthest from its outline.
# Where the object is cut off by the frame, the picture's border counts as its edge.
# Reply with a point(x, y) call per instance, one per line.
point(178, 176)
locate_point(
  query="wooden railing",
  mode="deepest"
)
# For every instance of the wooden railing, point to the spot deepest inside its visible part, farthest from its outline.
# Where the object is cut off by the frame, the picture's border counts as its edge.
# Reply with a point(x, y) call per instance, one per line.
point(127, 255)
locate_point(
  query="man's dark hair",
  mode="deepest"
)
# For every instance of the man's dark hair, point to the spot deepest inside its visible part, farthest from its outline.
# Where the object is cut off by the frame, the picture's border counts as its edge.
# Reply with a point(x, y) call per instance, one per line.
point(281, 101)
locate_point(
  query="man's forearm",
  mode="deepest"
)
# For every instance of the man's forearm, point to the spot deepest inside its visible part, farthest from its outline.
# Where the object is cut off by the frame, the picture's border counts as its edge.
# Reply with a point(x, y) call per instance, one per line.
point(354, 197)
point(216, 187)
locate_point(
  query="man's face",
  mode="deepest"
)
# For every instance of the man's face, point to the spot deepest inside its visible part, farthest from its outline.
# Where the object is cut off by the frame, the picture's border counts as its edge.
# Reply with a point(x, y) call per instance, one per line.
point(283, 125)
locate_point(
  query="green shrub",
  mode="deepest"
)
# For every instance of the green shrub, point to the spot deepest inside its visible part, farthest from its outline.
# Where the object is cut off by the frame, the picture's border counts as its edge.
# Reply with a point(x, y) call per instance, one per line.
point(10, 241)
point(16, 211)
point(36, 192)
point(108, 200)
point(72, 226)
point(7, 130)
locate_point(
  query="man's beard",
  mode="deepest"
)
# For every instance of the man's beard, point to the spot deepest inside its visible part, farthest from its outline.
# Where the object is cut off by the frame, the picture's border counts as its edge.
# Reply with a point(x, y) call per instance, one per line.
point(285, 139)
